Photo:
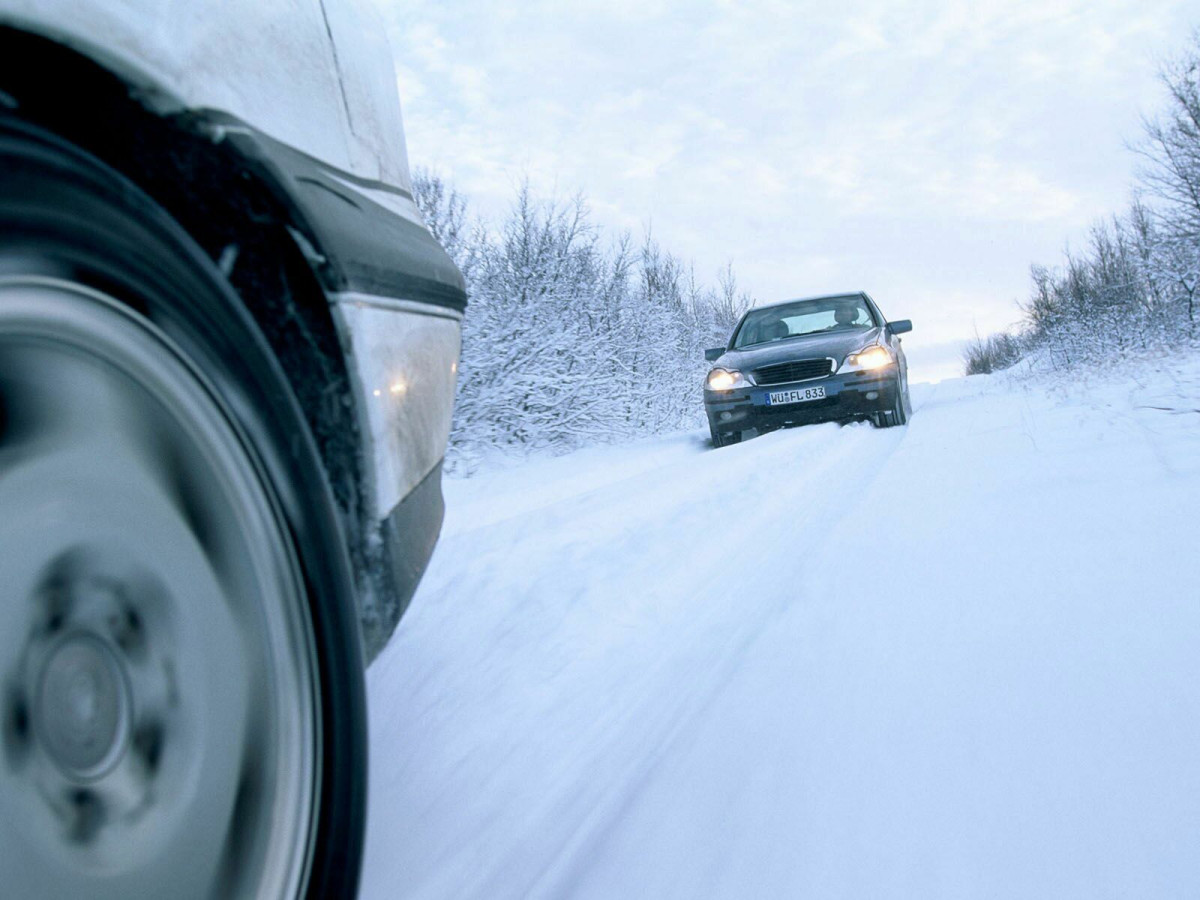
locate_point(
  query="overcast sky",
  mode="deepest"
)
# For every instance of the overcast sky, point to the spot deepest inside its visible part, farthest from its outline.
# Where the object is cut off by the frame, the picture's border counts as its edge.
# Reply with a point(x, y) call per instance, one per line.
point(926, 152)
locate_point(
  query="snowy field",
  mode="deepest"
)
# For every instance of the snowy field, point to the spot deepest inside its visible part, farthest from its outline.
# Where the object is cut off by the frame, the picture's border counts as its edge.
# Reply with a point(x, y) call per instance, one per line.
point(958, 659)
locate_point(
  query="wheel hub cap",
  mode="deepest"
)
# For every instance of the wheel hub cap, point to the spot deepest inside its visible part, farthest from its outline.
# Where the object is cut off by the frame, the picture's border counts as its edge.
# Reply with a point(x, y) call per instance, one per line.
point(81, 712)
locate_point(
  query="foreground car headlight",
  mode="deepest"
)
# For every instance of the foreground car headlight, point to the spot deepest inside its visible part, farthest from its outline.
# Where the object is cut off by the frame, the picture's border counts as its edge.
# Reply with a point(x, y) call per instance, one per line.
point(725, 380)
point(874, 357)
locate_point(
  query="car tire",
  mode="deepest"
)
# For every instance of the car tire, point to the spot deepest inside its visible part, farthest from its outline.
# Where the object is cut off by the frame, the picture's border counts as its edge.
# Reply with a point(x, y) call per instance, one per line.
point(170, 547)
point(897, 414)
point(724, 440)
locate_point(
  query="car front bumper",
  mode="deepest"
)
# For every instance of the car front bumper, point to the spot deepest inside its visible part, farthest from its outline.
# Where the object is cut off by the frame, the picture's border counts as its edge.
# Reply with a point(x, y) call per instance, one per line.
point(853, 395)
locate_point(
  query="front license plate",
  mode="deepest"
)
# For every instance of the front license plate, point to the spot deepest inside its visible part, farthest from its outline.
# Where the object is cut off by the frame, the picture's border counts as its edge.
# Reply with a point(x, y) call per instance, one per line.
point(796, 395)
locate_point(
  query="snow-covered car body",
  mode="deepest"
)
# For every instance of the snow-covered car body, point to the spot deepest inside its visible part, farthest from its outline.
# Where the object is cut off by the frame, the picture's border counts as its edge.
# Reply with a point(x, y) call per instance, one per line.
point(314, 75)
point(248, 120)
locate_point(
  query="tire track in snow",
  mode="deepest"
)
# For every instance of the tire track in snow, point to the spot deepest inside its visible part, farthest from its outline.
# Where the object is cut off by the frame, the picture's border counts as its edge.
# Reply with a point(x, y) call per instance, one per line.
point(797, 481)
point(691, 716)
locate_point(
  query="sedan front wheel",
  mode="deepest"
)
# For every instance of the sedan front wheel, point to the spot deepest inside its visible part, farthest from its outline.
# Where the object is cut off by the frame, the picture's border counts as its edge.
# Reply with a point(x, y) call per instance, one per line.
point(180, 679)
point(895, 415)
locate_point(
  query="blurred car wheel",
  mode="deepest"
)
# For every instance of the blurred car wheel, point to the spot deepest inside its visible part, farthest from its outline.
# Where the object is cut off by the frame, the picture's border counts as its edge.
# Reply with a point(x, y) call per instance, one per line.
point(181, 684)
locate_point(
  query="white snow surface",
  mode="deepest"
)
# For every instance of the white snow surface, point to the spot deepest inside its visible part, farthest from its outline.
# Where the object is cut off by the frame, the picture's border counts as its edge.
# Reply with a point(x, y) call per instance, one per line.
point(957, 659)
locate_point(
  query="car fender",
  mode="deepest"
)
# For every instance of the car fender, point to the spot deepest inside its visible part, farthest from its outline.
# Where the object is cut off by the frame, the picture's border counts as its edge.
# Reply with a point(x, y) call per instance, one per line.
point(321, 132)
point(275, 63)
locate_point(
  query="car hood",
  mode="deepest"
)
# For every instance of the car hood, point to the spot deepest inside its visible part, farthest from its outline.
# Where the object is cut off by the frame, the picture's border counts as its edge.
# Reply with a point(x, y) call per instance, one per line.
point(834, 344)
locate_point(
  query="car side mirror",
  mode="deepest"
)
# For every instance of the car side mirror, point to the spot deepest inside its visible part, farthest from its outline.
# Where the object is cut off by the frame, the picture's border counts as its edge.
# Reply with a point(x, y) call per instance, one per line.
point(714, 354)
point(900, 326)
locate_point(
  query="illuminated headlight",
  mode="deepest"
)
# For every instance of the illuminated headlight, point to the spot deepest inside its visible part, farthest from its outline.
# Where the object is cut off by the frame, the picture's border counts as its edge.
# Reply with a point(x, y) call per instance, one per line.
point(874, 357)
point(725, 380)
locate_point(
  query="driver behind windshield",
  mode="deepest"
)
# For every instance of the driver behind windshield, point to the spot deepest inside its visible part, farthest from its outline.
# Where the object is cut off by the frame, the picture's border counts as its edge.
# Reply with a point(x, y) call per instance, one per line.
point(776, 323)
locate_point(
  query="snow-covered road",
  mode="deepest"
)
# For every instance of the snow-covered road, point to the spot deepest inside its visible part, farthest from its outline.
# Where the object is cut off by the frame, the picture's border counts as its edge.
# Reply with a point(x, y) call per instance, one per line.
point(960, 658)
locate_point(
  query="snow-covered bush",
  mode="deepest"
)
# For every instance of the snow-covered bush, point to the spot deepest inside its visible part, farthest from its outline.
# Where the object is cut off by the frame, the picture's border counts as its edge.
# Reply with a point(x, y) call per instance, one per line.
point(984, 355)
point(572, 337)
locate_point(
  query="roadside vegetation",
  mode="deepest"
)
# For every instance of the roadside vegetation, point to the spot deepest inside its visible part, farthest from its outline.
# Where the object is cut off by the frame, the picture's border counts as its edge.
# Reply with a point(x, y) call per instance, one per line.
point(574, 336)
point(1132, 290)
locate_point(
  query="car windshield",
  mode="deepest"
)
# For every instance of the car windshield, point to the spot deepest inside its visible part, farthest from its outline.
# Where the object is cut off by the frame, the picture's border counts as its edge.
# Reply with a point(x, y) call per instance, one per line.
point(776, 323)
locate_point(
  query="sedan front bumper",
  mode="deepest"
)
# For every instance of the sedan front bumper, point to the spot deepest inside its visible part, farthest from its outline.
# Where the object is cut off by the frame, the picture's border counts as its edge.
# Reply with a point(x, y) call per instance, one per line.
point(853, 395)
